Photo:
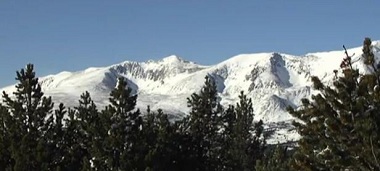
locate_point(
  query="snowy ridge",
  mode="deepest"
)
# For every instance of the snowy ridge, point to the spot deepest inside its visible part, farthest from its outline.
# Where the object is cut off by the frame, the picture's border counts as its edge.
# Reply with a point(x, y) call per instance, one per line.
point(273, 81)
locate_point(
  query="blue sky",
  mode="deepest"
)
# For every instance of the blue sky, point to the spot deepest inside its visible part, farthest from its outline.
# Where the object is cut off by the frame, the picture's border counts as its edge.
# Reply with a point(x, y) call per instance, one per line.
point(72, 35)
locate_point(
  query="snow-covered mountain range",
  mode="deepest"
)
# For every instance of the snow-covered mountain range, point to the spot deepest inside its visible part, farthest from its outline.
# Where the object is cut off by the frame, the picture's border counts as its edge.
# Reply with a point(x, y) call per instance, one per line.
point(272, 80)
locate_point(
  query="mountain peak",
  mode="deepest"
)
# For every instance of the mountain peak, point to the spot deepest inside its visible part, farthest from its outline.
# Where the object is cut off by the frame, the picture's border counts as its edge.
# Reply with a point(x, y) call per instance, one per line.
point(272, 80)
point(173, 59)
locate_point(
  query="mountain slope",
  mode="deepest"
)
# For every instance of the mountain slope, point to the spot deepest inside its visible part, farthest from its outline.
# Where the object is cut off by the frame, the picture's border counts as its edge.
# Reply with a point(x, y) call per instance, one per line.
point(273, 81)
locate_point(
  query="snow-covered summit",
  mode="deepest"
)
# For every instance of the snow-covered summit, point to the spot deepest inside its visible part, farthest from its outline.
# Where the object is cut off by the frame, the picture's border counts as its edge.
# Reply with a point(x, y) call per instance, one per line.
point(273, 80)
point(173, 59)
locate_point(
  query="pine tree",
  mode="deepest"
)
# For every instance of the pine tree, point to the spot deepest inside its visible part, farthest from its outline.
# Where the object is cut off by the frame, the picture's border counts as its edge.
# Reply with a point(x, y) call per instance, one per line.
point(166, 150)
point(159, 146)
point(277, 159)
point(74, 142)
point(55, 139)
point(124, 130)
point(5, 155)
point(183, 147)
point(244, 142)
point(204, 124)
point(64, 141)
point(340, 125)
point(89, 129)
point(27, 124)
point(227, 138)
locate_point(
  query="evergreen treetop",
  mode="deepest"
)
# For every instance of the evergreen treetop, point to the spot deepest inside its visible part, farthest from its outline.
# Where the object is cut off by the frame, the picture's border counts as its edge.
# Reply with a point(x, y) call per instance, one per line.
point(340, 125)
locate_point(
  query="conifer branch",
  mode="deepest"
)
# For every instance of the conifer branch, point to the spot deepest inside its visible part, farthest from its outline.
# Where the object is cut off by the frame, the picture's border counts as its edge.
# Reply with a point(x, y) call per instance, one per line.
point(350, 65)
point(373, 153)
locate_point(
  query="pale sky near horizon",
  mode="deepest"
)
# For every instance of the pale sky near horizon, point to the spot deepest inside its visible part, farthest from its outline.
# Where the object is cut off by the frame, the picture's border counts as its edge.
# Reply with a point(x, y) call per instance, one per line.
point(73, 35)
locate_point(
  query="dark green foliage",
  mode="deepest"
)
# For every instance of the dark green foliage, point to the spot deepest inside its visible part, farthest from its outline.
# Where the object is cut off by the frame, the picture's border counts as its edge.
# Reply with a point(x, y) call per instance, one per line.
point(340, 125)
point(369, 57)
point(243, 140)
point(204, 123)
point(5, 160)
point(88, 124)
point(122, 149)
point(158, 141)
point(223, 140)
point(183, 146)
point(26, 123)
point(36, 136)
point(86, 165)
point(276, 159)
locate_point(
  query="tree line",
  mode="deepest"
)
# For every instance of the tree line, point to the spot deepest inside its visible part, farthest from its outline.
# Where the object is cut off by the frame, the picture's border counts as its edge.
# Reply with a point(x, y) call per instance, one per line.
point(339, 129)
point(37, 136)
